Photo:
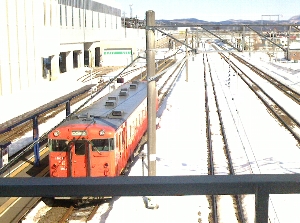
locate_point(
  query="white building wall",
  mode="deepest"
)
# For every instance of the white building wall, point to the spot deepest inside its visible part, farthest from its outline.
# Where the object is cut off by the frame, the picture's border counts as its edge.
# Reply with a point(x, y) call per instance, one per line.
point(33, 29)
point(22, 45)
point(5, 87)
point(29, 41)
point(13, 55)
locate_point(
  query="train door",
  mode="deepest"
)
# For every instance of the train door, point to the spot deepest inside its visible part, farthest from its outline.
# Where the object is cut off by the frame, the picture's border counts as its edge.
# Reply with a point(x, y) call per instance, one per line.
point(79, 156)
point(124, 146)
point(120, 158)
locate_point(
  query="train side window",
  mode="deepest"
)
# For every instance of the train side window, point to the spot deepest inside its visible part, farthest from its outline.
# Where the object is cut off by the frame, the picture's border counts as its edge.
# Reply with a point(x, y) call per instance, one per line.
point(117, 141)
point(103, 144)
point(58, 145)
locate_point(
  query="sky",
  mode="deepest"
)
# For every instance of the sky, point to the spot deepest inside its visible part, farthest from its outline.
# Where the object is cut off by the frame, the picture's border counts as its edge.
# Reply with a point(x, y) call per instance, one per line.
point(212, 10)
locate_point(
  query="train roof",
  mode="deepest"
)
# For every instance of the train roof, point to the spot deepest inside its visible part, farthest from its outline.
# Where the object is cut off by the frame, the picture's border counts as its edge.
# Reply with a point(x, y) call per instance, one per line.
point(114, 108)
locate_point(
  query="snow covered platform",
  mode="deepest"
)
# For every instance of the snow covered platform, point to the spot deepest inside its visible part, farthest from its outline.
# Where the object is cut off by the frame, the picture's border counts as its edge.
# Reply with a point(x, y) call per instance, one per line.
point(37, 111)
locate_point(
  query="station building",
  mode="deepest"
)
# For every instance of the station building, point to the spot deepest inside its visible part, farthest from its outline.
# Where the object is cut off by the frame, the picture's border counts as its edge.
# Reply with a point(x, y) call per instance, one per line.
point(41, 39)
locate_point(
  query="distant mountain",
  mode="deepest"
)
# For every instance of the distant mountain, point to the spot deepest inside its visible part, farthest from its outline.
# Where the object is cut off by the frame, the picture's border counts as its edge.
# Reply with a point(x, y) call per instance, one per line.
point(295, 19)
point(186, 21)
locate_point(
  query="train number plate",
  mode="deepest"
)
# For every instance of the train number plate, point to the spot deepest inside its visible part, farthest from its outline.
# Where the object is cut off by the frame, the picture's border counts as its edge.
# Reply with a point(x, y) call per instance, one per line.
point(78, 133)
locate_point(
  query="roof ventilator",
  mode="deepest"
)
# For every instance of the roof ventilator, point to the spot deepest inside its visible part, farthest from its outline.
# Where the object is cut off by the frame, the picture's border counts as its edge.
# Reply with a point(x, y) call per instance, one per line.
point(87, 117)
point(123, 93)
point(112, 98)
point(133, 86)
point(110, 103)
point(116, 114)
point(73, 117)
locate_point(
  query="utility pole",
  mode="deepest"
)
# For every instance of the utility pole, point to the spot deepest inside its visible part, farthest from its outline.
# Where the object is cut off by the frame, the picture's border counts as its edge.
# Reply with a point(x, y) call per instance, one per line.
point(197, 38)
point(151, 101)
point(186, 57)
point(124, 23)
point(288, 44)
point(151, 92)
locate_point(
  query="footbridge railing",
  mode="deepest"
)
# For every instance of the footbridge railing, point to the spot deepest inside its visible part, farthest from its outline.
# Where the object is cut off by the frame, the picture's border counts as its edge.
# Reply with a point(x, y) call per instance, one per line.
point(261, 185)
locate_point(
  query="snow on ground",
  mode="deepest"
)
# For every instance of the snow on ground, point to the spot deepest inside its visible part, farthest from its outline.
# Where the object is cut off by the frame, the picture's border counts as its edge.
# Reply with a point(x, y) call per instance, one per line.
point(257, 142)
point(265, 146)
point(181, 150)
point(28, 99)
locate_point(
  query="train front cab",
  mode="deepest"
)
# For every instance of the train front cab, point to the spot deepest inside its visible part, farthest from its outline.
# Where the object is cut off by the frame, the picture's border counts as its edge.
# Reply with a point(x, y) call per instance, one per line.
point(81, 158)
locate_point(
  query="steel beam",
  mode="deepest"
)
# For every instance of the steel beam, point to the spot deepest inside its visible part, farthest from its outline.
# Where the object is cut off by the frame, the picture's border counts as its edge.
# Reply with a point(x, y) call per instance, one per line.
point(283, 49)
point(151, 185)
point(222, 25)
point(224, 41)
point(172, 37)
point(261, 185)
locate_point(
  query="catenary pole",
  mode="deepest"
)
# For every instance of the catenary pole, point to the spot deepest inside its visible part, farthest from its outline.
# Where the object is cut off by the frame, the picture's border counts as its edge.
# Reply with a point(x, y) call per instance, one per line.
point(151, 91)
point(187, 56)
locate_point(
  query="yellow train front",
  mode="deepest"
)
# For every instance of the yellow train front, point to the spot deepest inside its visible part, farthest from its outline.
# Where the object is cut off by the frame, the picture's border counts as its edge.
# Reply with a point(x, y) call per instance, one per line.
point(100, 139)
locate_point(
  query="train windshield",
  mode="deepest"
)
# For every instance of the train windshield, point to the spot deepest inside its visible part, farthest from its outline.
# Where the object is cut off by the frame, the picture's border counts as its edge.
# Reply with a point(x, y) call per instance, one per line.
point(80, 146)
point(57, 145)
point(103, 144)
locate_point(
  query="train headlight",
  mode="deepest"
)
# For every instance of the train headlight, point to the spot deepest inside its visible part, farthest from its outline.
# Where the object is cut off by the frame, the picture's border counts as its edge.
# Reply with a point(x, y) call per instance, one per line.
point(101, 132)
point(56, 133)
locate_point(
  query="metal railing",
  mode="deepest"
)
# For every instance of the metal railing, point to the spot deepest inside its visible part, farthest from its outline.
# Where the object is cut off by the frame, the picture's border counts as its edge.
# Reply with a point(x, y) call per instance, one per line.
point(261, 185)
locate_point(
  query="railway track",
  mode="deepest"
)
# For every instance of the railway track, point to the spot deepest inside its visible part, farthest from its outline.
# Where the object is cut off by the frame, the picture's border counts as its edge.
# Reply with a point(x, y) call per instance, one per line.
point(164, 64)
point(20, 130)
point(277, 110)
point(24, 128)
point(294, 95)
point(62, 212)
point(219, 158)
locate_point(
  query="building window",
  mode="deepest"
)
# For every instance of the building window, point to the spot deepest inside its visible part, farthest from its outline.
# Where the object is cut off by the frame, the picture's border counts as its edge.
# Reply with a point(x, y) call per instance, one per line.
point(111, 22)
point(85, 18)
point(79, 17)
point(45, 14)
point(72, 16)
point(60, 12)
point(66, 15)
point(51, 16)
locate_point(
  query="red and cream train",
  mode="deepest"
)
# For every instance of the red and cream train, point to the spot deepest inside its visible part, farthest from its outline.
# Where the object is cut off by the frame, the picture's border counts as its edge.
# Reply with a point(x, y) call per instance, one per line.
point(99, 140)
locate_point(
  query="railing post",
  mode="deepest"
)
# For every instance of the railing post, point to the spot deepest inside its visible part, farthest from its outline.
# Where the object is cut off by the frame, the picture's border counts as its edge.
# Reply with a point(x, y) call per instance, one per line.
point(36, 147)
point(68, 108)
point(261, 204)
point(4, 153)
